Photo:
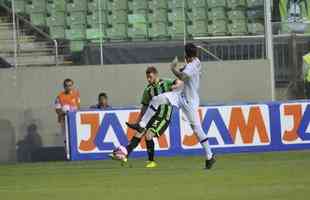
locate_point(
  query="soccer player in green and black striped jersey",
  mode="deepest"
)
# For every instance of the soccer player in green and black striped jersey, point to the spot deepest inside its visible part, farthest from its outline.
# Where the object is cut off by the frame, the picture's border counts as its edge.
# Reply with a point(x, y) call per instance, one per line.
point(159, 123)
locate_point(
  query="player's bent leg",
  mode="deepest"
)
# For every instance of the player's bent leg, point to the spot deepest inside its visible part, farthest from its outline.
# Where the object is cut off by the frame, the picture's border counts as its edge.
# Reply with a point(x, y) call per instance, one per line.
point(129, 148)
point(202, 139)
point(192, 115)
point(205, 143)
point(134, 142)
point(149, 113)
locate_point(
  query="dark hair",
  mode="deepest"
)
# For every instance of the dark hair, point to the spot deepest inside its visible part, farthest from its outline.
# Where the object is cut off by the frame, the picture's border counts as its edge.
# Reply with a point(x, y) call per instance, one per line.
point(151, 69)
point(102, 94)
point(67, 80)
point(190, 50)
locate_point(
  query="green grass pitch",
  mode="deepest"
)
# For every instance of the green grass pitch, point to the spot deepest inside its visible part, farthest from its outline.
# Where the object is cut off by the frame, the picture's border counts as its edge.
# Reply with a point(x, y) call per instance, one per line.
point(260, 176)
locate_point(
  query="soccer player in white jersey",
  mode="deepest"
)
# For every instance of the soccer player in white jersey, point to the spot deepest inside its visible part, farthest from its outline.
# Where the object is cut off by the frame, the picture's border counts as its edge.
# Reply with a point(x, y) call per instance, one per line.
point(186, 98)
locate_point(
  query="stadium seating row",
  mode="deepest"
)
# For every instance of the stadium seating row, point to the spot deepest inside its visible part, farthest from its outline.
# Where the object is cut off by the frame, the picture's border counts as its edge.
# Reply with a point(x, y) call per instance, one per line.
point(84, 5)
point(119, 20)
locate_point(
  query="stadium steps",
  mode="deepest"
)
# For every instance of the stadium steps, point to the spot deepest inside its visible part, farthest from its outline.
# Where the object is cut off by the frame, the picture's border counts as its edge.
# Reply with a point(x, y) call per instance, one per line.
point(5, 25)
point(37, 52)
point(30, 51)
point(26, 46)
point(33, 60)
point(3, 19)
point(6, 34)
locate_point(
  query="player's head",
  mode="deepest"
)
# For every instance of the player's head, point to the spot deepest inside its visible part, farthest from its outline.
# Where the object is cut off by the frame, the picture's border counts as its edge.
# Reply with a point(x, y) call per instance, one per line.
point(68, 85)
point(190, 51)
point(103, 99)
point(151, 75)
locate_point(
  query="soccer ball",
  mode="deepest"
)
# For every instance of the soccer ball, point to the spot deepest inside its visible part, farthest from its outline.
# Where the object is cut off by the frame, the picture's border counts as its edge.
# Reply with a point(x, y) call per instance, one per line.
point(120, 153)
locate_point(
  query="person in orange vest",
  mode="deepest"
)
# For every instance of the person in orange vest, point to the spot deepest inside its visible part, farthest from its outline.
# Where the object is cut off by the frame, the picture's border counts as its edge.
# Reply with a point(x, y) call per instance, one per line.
point(306, 70)
point(67, 100)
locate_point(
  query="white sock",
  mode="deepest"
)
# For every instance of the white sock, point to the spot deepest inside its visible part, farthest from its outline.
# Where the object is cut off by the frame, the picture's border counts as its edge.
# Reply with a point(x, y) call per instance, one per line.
point(207, 148)
point(205, 143)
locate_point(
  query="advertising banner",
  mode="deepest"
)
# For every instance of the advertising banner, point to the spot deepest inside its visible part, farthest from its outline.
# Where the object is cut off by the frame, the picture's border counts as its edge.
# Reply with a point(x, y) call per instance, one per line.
point(275, 126)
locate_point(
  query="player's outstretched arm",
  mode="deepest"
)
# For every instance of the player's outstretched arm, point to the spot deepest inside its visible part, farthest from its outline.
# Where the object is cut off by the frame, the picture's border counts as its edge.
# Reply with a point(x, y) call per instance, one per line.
point(180, 75)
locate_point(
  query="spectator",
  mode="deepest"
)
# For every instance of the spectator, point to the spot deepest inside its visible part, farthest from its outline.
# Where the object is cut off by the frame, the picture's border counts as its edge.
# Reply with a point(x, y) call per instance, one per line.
point(67, 100)
point(306, 71)
point(102, 102)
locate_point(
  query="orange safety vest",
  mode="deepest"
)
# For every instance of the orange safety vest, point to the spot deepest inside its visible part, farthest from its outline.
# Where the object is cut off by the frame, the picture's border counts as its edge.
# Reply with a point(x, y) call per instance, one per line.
point(69, 102)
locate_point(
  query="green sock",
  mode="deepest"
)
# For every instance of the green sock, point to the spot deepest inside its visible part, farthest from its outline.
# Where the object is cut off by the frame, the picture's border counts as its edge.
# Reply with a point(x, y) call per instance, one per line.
point(150, 149)
point(133, 144)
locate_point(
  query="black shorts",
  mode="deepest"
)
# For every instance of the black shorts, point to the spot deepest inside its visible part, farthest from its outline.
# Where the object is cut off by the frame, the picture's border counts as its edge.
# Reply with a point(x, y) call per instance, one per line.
point(160, 121)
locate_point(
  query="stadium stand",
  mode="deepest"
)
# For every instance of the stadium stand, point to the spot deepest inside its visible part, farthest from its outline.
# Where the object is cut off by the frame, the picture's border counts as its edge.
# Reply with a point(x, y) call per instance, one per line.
point(84, 21)
point(32, 50)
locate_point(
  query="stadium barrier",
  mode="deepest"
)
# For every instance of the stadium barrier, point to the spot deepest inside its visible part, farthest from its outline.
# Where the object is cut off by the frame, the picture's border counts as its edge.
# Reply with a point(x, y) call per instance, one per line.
point(270, 126)
point(21, 105)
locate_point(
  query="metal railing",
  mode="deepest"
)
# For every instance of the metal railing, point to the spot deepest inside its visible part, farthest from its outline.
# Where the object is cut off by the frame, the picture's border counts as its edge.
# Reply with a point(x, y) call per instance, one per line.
point(233, 47)
point(16, 26)
point(288, 51)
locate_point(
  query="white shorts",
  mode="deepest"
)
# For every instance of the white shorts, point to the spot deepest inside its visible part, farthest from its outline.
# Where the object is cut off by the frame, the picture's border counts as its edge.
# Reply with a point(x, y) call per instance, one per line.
point(173, 98)
point(190, 110)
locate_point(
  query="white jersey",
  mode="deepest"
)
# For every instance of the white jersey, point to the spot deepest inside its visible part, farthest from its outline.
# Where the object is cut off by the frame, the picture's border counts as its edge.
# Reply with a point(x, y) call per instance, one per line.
point(191, 86)
point(188, 97)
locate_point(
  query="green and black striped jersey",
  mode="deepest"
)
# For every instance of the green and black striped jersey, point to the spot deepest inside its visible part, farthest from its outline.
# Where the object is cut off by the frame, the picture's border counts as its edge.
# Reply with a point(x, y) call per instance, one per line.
point(152, 90)
point(164, 111)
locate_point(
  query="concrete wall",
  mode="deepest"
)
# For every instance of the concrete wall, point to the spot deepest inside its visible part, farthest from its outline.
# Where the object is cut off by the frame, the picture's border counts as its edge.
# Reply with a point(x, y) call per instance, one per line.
point(27, 94)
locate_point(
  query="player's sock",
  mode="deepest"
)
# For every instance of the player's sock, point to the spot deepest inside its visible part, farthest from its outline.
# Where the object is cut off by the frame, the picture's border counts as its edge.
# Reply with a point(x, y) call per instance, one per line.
point(206, 146)
point(150, 149)
point(133, 144)
point(203, 140)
